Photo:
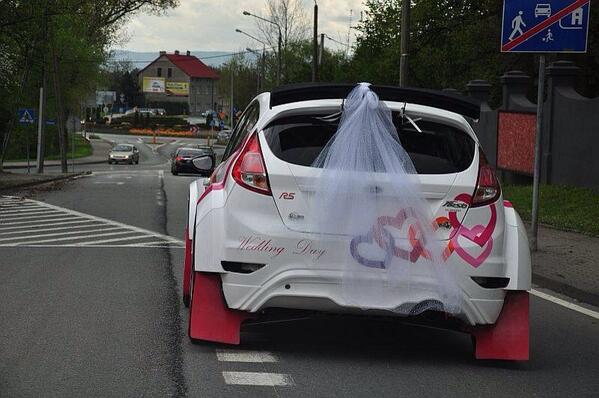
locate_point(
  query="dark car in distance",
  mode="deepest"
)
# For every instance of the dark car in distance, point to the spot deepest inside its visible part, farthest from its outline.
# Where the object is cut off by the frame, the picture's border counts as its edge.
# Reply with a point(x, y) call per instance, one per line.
point(200, 160)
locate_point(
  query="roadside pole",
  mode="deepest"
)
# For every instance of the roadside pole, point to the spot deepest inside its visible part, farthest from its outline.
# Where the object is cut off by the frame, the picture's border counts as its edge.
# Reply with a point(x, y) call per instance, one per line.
point(405, 43)
point(315, 45)
point(537, 169)
point(73, 145)
point(41, 126)
point(27, 143)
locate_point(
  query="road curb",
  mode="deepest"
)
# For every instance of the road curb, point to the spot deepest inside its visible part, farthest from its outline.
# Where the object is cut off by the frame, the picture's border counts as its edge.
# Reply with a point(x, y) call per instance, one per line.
point(565, 289)
point(19, 166)
point(55, 179)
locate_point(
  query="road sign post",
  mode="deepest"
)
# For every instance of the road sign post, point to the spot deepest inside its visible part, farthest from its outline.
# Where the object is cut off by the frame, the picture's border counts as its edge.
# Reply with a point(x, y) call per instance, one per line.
point(545, 27)
point(27, 117)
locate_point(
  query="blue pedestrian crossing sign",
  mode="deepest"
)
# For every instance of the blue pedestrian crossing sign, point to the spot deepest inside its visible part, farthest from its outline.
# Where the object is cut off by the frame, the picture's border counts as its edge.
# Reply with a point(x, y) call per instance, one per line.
point(545, 26)
point(26, 116)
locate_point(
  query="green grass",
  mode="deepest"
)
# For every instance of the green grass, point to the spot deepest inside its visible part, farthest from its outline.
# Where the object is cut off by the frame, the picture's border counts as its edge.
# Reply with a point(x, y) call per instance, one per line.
point(568, 208)
point(82, 149)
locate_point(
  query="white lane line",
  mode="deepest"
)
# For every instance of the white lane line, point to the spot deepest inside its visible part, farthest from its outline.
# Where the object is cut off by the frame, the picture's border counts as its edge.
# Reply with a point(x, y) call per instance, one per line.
point(92, 244)
point(257, 379)
point(69, 238)
point(47, 225)
point(26, 210)
point(58, 217)
point(60, 234)
point(19, 206)
point(37, 229)
point(36, 215)
point(244, 356)
point(564, 303)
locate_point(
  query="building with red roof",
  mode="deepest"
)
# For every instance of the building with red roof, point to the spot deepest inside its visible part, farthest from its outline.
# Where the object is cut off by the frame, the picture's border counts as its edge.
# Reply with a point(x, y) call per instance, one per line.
point(179, 83)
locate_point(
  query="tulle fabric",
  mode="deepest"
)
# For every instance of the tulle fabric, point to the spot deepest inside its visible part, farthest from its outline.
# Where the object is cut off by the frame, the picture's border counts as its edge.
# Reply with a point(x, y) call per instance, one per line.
point(368, 199)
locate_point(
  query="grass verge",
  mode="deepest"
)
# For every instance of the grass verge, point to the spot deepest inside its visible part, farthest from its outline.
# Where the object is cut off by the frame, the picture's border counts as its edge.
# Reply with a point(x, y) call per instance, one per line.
point(568, 208)
point(82, 149)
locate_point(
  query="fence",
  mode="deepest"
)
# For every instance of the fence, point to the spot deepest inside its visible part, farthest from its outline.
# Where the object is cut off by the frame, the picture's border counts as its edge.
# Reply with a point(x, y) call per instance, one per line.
point(570, 154)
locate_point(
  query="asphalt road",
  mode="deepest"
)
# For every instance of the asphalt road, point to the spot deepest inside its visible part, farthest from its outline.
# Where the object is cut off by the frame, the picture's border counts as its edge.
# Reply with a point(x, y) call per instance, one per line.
point(82, 318)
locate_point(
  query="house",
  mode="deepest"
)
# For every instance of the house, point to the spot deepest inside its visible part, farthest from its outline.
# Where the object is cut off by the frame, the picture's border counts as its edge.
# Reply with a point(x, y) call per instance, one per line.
point(178, 83)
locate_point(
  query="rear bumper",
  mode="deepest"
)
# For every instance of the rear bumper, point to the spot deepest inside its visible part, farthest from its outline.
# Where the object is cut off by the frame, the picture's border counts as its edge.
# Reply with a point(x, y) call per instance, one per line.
point(324, 290)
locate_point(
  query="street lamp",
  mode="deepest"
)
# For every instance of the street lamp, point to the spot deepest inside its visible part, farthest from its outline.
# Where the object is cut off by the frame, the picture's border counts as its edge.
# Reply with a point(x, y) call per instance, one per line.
point(280, 41)
point(263, 60)
point(258, 70)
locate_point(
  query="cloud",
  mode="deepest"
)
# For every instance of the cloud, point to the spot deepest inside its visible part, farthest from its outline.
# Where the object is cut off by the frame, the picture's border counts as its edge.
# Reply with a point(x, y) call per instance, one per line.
point(210, 25)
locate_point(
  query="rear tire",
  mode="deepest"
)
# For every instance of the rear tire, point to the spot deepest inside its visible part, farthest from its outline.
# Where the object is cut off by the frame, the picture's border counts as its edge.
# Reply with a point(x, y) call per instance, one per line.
point(175, 172)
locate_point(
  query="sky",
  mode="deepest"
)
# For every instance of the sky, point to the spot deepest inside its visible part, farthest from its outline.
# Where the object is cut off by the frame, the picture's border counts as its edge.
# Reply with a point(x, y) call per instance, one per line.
point(206, 25)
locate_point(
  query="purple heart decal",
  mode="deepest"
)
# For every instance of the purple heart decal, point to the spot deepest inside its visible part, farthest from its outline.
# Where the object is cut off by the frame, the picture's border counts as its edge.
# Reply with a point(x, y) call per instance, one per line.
point(354, 248)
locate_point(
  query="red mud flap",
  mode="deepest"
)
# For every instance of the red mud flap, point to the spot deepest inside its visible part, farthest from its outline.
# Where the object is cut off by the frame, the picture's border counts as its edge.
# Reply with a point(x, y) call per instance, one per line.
point(508, 338)
point(187, 268)
point(209, 317)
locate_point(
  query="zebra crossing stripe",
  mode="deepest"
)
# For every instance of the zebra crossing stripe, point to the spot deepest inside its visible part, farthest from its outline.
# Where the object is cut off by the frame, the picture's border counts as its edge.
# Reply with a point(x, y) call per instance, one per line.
point(54, 226)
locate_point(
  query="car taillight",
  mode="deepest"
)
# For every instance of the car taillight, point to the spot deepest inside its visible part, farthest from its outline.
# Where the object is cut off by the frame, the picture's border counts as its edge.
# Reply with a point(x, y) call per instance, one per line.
point(249, 170)
point(487, 187)
point(178, 158)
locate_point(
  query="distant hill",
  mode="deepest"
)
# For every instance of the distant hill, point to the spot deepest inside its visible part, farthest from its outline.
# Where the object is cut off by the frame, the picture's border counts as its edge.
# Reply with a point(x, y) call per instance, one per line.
point(141, 59)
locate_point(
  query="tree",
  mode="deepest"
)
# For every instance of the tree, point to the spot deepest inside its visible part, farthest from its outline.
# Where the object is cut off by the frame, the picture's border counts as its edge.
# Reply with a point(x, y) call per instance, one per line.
point(291, 17)
point(66, 38)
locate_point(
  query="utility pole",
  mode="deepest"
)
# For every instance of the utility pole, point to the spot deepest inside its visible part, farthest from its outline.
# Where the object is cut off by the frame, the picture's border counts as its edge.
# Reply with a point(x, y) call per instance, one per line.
point(315, 43)
point(41, 122)
point(62, 128)
point(320, 50)
point(405, 43)
point(232, 92)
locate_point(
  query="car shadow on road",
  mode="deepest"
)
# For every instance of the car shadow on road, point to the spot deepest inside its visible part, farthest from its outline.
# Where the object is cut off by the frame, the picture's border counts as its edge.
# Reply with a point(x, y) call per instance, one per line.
point(361, 339)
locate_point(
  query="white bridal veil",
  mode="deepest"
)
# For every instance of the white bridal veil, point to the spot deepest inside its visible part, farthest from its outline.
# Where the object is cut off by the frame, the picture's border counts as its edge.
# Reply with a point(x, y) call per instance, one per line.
point(369, 201)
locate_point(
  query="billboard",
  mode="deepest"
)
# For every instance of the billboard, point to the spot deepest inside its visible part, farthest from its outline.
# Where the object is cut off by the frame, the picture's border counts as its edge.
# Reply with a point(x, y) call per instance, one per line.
point(153, 85)
point(177, 88)
point(105, 97)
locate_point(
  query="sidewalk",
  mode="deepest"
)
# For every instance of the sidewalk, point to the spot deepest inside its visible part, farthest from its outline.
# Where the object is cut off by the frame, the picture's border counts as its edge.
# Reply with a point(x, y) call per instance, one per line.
point(568, 263)
point(100, 150)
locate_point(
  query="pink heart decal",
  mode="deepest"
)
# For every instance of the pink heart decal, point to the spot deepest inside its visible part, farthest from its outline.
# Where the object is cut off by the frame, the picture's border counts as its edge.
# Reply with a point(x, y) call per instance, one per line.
point(477, 231)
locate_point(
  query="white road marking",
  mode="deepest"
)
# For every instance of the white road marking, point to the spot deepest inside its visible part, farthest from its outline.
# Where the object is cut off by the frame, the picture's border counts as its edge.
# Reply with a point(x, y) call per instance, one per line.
point(36, 215)
point(257, 379)
point(60, 234)
point(244, 356)
point(49, 229)
point(68, 238)
point(35, 221)
point(564, 303)
point(25, 210)
point(75, 227)
point(112, 240)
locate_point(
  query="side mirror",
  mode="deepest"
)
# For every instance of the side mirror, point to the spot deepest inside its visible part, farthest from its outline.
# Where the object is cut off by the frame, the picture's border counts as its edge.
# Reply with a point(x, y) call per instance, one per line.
point(203, 163)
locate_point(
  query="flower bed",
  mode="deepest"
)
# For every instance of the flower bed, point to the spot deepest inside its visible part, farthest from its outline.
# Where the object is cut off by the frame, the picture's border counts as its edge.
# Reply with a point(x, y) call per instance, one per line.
point(163, 132)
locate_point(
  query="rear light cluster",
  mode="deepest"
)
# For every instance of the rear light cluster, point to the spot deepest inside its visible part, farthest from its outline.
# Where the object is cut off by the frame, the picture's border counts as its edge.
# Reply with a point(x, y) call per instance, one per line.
point(178, 158)
point(249, 170)
point(487, 187)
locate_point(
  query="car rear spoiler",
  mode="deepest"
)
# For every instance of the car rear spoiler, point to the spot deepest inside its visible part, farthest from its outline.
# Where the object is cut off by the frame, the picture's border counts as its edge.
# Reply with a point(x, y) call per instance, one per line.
point(464, 106)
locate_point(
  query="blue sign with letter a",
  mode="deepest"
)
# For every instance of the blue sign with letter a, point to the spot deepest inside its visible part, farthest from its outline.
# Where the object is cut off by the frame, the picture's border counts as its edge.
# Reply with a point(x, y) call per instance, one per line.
point(545, 26)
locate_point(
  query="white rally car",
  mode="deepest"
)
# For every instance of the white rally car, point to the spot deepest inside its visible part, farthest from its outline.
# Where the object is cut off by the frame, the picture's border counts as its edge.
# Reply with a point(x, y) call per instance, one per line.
point(249, 248)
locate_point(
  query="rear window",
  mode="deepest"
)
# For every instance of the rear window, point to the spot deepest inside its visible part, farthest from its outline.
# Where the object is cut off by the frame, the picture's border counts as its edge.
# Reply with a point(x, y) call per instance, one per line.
point(191, 152)
point(438, 149)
